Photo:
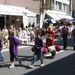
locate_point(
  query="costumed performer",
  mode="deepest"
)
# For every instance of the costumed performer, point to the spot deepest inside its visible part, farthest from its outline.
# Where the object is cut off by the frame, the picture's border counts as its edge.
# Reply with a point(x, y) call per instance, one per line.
point(49, 34)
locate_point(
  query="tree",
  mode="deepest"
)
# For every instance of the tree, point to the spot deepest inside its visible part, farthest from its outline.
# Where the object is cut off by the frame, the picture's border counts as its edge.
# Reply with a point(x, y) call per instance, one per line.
point(43, 7)
point(46, 6)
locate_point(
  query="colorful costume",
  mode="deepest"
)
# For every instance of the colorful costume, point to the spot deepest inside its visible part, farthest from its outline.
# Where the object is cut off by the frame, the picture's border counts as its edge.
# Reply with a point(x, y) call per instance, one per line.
point(49, 34)
point(1, 46)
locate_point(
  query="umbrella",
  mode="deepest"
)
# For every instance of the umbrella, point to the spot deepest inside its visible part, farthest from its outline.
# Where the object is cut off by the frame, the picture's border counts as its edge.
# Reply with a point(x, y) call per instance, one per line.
point(72, 20)
point(49, 20)
point(64, 19)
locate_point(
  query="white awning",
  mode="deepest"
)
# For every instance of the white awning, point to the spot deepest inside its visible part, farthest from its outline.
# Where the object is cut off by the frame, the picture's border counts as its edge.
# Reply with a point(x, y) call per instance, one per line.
point(23, 10)
point(62, 16)
point(14, 10)
point(6, 10)
point(65, 16)
point(54, 16)
point(69, 17)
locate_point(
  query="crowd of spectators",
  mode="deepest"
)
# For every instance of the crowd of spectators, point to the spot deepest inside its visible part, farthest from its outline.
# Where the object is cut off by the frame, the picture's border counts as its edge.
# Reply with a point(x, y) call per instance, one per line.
point(58, 30)
point(26, 34)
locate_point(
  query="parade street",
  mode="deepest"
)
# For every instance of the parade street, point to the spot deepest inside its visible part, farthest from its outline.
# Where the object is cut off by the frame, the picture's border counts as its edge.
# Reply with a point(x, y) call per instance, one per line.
point(62, 64)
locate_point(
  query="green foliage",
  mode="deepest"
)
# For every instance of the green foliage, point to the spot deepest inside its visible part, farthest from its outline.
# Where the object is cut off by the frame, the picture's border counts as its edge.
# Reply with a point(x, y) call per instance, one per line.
point(46, 6)
point(45, 25)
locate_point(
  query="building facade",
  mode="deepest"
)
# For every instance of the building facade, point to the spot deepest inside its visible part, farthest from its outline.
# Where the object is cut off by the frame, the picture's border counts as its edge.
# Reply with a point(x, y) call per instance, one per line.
point(29, 9)
point(61, 9)
point(31, 5)
point(73, 8)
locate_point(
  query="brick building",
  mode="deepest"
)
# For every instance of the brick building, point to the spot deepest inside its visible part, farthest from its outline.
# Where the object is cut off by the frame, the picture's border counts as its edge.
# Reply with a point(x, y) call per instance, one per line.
point(31, 5)
point(73, 8)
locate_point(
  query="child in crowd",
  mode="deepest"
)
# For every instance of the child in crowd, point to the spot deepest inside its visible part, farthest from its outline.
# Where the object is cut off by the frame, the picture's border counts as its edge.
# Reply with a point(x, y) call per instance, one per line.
point(13, 48)
point(37, 50)
point(1, 47)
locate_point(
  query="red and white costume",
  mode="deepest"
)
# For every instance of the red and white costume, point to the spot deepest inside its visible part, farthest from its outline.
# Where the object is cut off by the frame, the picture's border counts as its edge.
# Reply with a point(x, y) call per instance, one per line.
point(49, 34)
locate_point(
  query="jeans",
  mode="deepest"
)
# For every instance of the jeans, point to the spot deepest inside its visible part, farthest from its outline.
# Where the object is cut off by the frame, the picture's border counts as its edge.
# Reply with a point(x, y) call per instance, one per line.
point(40, 54)
point(1, 57)
point(64, 41)
point(12, 57)
point(73, 40)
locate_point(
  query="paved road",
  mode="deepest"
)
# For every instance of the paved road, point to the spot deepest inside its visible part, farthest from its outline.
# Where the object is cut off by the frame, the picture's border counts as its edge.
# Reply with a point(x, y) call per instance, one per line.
point(62, 64)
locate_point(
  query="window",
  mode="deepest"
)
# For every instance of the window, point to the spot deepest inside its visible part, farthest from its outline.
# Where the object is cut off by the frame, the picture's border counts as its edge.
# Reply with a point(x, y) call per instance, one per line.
point(53, 2)
point(64, 6)
point(73, 13)
point(58, 5)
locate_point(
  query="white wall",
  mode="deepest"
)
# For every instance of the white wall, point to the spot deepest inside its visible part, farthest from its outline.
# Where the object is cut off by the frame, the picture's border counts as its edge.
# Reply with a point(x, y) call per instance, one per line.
point(31, 20)
point(56, 12)
point(25, 20)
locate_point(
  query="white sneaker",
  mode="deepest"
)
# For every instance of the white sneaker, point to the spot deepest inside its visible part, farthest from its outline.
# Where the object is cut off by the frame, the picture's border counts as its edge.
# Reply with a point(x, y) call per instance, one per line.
point(12, 66)
point(31, 66)
point(42, 65)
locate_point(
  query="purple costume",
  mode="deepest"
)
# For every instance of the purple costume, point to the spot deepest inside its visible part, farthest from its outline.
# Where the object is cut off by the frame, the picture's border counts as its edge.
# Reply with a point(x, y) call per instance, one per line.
point(14, 45)
point(1, 44)
point(38, 42)
point(38, 50)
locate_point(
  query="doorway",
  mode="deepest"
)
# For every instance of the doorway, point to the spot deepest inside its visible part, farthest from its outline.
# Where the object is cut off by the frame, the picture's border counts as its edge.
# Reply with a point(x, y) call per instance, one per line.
point(1, 22)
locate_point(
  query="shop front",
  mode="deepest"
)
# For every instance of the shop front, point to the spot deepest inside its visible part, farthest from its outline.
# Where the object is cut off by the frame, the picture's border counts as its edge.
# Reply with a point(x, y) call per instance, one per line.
point(12, 15)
